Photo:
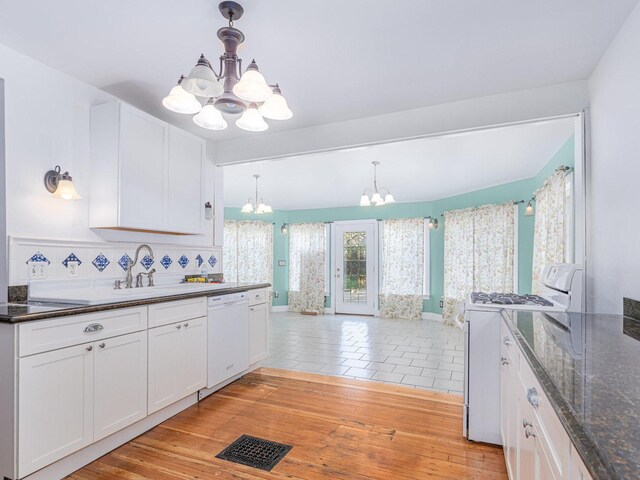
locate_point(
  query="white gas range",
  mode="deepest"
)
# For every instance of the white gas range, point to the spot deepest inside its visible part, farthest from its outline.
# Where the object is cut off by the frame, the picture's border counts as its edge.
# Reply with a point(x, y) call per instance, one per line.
point(562, 292)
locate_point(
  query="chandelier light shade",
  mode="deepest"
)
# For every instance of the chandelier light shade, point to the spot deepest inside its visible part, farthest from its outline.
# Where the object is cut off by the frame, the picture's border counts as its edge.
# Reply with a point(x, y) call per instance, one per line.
point(251, 120)
point(181, 101)
point(210, 118)
point(255, 206)
point(275, 107)
point(379, 196)
point(229, 91)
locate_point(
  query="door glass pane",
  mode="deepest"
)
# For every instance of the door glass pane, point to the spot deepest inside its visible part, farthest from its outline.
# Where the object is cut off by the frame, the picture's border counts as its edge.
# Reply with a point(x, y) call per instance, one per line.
point(354, 246)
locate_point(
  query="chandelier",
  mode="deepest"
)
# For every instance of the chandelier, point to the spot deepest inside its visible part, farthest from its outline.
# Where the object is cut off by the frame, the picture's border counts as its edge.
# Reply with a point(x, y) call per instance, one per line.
point(252, 205)
point(377, 197)
point(230, 91)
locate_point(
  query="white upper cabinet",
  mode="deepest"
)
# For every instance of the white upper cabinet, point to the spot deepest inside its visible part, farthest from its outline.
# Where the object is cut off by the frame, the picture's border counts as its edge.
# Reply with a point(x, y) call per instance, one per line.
point(145, 174)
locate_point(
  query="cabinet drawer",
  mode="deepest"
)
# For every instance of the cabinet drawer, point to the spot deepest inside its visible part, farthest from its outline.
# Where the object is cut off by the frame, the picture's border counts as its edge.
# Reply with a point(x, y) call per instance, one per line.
point(257, 297)
point(46, 335)
point(550, 432)
point(171, 312)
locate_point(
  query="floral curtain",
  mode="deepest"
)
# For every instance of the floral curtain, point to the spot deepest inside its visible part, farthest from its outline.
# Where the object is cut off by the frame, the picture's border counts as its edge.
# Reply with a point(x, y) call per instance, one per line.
point(479, 254)
point(248, 252)
point(306, 267)
point(403, 253)
point(549, 231)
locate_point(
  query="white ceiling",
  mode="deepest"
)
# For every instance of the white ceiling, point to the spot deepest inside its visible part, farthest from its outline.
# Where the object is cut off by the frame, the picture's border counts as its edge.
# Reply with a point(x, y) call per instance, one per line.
point(335, 60)
point(415, 170)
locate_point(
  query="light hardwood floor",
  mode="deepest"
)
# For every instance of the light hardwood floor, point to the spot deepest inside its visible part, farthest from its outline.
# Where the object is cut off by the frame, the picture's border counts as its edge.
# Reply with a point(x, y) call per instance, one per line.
point(339, 428)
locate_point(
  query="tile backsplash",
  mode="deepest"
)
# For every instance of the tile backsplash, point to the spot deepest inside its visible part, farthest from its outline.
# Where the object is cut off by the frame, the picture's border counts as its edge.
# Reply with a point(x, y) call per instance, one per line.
point(34, 259)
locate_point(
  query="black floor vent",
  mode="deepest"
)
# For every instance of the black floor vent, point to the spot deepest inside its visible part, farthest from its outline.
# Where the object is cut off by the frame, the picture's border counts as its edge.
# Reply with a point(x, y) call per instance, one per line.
point(255, 452)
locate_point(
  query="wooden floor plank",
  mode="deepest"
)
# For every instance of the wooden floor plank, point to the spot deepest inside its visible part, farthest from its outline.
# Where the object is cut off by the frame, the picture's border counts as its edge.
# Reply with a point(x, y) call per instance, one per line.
point(339, 428)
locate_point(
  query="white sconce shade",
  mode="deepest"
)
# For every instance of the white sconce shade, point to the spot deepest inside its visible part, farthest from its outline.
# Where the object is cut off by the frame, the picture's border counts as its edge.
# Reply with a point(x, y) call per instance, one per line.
point(364, 201)
point(181, 101)
point(389, 198)
point(528, 212)
point(208, 211)
point(433, 223)
point(210, 117)
point(66, 190)
point(201, 81)
point(283, 229)
point(251, 120)
point(252, 86)
point(275, 107)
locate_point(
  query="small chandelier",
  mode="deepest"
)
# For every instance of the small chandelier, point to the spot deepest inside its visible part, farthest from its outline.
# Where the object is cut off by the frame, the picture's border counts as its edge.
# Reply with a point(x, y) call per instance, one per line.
point(377, 197)
point(252, 205)
point(230, 91)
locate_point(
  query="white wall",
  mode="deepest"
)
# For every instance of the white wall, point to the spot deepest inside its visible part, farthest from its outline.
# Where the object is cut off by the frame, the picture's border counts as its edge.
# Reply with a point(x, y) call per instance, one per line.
point(4, 270)
point(614, 225)
point(466, 114)
point(47, 123)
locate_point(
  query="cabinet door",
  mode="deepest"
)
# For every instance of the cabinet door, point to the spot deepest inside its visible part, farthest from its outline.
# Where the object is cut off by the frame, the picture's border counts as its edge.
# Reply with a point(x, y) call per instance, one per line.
point(185, 206)
point(142, 166)
point(508, 411)
point(56, 406)
point(120, 383)
point(193, 356)
point(543, 468)
point(164, 351)
point(526, 445)
point(578, 470)
point(258, 332)
point(228, 344)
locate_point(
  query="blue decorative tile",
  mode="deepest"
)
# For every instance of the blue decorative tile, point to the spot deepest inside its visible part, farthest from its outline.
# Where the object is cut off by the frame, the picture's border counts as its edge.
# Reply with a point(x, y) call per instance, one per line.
point(146, 262)
point(183, 261)
point(166, 262)
point(70, 258)
point(213, 260)
point(38, 257)
point(124, 261)
point(101, 262)
point(199, 260)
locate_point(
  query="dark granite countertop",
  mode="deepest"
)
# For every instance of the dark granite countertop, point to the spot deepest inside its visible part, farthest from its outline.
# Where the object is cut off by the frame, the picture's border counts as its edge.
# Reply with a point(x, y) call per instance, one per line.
point(589, 367)
point(25, 312)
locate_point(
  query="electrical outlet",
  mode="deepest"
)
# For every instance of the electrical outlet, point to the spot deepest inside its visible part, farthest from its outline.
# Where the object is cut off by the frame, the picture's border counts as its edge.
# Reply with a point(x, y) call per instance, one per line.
point(38, 270)
point(441, 303)
point(72, 269)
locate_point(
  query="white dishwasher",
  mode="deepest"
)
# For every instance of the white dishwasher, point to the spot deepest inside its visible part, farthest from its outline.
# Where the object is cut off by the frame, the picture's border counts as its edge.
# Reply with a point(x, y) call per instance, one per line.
point(228, 337)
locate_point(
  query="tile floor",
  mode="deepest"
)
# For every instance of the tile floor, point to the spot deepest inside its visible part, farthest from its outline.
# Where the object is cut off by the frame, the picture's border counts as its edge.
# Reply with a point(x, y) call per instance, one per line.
point(415, 353)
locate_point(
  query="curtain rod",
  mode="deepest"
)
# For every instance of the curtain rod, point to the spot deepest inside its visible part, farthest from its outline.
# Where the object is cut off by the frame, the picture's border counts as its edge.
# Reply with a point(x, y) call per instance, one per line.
point(516, 202)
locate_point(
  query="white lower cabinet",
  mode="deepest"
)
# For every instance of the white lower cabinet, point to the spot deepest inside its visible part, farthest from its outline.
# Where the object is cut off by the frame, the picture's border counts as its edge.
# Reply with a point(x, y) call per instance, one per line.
point(258, 332)
point(55, 417)
point(120, 383)
point(177, 361)
point(535, 443)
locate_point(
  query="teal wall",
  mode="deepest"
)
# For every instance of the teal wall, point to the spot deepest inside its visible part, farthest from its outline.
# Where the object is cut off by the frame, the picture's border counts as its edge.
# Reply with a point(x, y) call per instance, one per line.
point(514, 191)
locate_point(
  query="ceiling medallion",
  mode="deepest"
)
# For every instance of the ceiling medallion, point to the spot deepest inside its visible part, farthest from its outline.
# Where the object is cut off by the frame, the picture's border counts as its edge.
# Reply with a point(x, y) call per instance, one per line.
point(230, 92)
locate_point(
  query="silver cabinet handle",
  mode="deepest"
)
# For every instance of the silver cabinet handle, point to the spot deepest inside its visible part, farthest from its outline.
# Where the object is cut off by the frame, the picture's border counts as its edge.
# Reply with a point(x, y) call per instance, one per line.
point(532, 396)
point(252, 309)
point(258, 295)
point(178, 326)
point(506, 341)
point(94, 327)
point(504, 361)
point(89, 348)
point(529, 433)
point(186, 325)
point(526, 423)
point(102, 345)
point(229, 367)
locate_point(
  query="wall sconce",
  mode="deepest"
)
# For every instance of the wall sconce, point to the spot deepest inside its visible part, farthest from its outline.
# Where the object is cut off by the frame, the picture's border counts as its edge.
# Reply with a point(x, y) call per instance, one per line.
point(433, 223)
point(528, 211)
point(208, 211)
point(60, 184)
point(283, 229)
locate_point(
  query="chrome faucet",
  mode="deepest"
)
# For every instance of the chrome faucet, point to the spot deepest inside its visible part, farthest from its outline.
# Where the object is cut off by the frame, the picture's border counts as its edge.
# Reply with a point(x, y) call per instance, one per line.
point(129, 277)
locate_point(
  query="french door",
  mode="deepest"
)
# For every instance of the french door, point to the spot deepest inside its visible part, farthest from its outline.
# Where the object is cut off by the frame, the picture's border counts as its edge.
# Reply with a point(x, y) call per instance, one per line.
point(356, 283)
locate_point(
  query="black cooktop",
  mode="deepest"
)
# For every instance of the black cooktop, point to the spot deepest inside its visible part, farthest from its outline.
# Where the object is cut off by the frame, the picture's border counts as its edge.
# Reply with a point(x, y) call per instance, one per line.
point(509, 299)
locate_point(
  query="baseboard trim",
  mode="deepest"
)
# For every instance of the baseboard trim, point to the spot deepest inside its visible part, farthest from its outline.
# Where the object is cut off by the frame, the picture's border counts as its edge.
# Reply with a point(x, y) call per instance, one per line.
point(280, 308)
point(432, 316)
